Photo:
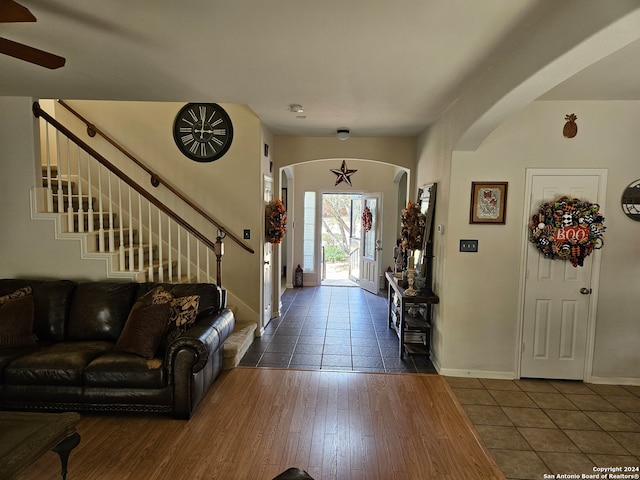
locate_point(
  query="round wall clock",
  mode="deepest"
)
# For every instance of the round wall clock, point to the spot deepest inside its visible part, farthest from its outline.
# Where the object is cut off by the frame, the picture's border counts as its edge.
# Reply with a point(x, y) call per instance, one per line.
point(203, 131)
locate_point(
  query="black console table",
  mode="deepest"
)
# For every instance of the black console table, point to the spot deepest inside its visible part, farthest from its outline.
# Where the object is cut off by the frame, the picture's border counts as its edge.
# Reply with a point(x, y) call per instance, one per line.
point(410, 317)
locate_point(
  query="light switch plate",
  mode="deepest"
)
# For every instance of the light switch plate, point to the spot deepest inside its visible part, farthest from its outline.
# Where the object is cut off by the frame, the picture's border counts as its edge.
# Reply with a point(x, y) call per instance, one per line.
point(468, 245)
point(247, 234)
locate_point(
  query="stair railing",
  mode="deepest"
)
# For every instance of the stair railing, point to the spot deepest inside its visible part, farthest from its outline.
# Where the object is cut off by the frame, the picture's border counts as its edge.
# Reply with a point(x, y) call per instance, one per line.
point(98, 198)
point(156, 180)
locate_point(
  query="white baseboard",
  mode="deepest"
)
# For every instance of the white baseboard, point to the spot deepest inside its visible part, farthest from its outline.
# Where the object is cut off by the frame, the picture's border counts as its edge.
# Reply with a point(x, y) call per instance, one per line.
point(455, 372)
point(615, 380)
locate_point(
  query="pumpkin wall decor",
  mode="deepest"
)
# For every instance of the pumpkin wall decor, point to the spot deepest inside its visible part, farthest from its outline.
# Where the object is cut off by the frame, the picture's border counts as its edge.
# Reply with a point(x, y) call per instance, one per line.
point(570, 129)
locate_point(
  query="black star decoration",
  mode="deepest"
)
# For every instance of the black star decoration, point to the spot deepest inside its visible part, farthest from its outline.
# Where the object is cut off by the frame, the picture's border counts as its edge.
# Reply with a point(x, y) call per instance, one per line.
point(344, 174)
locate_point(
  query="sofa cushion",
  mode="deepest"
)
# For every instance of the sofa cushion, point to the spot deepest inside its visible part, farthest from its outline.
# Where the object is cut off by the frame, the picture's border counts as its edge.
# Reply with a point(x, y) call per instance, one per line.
point(144, 329)
point(51, 304)
point(8, 355)
point(58, 364)
point(125, 370)
point(16, 321)
point(99, 310)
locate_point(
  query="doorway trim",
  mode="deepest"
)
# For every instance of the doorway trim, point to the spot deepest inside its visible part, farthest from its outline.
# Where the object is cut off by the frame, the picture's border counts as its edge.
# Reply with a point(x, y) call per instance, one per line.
point(595, 272)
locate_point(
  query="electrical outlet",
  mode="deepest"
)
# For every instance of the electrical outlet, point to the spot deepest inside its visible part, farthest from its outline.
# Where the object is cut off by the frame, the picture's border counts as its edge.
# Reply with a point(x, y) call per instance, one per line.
point(247, 234)
point(468, 245)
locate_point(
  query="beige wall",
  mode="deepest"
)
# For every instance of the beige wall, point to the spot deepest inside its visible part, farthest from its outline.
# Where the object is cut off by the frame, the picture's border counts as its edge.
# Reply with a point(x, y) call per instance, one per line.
point(480, 319)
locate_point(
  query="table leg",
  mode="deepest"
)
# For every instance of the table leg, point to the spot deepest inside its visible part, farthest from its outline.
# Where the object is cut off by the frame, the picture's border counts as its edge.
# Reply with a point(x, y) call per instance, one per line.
point(63, 449)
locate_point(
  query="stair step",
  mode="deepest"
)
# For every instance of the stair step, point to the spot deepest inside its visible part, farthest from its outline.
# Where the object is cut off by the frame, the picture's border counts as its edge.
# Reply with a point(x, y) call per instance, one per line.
point(75, 203)
point(136, 255)
point(65, 186)
point(116, 238)
point(96, 221)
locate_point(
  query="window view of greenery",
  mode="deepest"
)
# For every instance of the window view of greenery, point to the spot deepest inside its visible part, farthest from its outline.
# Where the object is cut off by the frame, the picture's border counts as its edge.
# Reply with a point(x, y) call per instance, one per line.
point(341, 230)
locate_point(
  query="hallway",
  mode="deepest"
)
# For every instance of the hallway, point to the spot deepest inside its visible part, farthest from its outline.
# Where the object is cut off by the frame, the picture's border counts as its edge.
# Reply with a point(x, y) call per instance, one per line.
point(332, 328)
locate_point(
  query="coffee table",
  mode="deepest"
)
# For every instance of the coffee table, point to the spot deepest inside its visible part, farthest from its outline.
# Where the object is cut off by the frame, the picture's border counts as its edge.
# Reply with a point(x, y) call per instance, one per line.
point(25, 436)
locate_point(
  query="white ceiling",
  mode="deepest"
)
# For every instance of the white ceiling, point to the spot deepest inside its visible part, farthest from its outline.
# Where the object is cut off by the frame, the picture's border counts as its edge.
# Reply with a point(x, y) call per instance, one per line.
point(376, 67)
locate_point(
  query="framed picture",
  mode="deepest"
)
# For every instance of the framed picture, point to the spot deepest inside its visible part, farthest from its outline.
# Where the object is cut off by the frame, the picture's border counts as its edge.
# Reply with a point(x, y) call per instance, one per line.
point(488, 202)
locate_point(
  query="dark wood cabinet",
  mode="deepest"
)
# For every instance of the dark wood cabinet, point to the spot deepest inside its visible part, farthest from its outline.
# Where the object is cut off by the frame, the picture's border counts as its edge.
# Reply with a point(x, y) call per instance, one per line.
point(410, 317)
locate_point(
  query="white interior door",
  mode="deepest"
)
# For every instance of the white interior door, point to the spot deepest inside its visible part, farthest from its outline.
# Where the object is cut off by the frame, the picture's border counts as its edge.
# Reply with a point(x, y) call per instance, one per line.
point(267, 259)
point(557, 296)
point(371, 245)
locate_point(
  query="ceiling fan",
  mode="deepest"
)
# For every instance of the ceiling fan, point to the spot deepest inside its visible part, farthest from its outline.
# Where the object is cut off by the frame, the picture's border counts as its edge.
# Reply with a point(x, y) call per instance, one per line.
point(11, 12)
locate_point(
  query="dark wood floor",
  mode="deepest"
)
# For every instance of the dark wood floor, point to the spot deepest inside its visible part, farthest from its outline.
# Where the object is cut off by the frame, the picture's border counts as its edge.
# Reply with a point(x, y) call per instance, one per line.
point(257, 422)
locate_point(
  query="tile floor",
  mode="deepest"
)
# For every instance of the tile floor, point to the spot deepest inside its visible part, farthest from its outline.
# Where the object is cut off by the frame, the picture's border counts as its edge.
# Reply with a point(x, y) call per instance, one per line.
point(531, 427)
point(335, 328)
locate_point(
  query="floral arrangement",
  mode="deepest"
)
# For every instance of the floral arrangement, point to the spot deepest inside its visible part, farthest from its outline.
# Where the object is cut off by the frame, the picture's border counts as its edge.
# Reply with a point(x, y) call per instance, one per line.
point(275, 221)
point(567, 229)
point(412, 227)
point(367, 219)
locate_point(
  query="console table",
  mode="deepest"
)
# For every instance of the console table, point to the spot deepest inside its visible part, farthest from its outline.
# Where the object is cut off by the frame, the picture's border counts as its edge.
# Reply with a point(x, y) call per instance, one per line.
point(25, 436)
point(410, 317)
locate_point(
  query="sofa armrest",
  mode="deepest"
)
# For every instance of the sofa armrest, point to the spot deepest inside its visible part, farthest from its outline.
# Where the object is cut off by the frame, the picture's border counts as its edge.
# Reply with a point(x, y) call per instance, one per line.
point(201, 341)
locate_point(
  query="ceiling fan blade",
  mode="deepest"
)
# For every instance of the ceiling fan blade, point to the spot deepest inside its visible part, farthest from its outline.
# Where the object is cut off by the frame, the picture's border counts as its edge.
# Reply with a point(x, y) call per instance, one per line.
point(11, 11)
point(30, 54)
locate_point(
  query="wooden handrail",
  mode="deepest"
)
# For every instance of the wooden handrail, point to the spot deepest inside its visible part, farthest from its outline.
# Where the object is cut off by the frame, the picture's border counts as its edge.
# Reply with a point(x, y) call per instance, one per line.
point(38, 112)
point(156, 180)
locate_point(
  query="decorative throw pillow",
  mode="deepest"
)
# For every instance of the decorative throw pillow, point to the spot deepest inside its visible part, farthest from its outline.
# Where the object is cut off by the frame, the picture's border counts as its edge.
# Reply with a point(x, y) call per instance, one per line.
point(21, 292)
point(16, 322)
point(183, 312)
point(143, 331)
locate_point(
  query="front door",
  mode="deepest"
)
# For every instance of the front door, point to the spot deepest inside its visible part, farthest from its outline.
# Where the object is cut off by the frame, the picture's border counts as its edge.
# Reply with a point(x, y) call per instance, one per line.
point(558, 303)
point(371, 245)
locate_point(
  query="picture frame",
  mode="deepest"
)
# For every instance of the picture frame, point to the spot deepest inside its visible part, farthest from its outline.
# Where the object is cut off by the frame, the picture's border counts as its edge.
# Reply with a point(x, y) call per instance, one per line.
point(488, 203)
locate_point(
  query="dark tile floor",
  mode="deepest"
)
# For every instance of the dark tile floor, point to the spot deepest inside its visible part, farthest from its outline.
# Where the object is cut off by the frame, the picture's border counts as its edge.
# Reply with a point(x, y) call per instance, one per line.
point(531, 427)
point(332, 328)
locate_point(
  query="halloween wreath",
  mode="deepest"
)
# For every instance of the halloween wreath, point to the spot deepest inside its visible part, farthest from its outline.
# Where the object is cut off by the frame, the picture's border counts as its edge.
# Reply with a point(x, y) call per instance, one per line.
point(567, 229)
point(275, 221)
point(412, 227)
point(367, 219)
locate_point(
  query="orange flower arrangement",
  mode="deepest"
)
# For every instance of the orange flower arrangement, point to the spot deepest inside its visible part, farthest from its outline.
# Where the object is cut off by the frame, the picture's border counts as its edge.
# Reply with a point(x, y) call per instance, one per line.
point(412, 227)
point(275, 223)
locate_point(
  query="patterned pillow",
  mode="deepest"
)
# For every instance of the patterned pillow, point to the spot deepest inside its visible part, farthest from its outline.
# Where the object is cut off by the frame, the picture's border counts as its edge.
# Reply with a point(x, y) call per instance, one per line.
point(16, 321)
point(21, 292)
point(182, 313)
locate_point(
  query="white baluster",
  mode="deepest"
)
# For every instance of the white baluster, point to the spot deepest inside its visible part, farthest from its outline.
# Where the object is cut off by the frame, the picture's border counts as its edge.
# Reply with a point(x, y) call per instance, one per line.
point(112, 239)
point(90, 195)
point(131, 246)
point(179, 254)
point(70, 225)
point(48, 157)
point(188, 257)
point(198, 268)
point(100, 219)
point(80, 202)
point(160, 258)
point(121, 233)
point(140, 247)
point(59, 174)
point(169, 252)
point(150, 240)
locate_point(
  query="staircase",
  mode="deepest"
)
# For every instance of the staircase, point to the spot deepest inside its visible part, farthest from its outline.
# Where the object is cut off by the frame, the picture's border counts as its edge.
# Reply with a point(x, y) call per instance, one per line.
point(117, 220)
point(128, 238)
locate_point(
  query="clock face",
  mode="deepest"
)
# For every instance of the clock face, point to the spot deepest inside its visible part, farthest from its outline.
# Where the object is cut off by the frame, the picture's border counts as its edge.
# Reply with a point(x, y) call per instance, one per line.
point(203, 131)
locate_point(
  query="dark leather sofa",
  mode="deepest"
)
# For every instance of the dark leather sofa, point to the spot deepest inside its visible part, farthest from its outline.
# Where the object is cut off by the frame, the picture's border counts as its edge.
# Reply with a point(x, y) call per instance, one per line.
point(75, 366)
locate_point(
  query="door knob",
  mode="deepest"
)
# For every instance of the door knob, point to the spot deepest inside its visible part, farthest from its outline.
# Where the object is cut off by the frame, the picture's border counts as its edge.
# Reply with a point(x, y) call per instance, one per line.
point(266, 262)
point(585, 291)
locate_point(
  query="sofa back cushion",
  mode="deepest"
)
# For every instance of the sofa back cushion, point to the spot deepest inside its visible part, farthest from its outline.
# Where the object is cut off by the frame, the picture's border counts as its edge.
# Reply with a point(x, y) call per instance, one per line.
point(52, 300)
point(99, 310)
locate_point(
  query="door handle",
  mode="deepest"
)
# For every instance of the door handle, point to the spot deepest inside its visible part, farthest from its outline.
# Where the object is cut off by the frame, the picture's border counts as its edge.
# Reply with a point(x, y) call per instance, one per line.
point(266, 262)
point(585, 291)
